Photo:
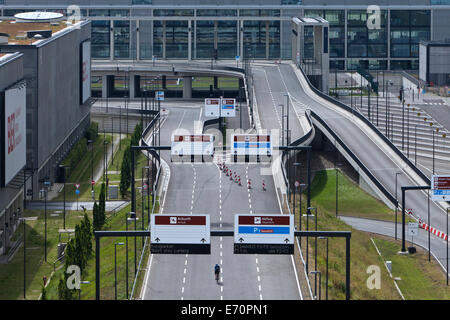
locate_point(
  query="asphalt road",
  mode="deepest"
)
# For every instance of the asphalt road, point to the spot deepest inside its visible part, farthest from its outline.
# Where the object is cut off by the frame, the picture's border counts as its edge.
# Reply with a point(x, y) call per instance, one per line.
point(374, 157)
point(201, 188)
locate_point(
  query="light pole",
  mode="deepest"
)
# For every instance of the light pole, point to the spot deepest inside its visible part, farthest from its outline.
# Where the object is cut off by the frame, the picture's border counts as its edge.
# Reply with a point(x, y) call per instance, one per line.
point(326, 277)
point(315, 273)
point(296, 184)
point(43, 191)
point(24, 257)
point(131, 218)
point(115, 267)
point(447, 246)
point(79, 290)
point(64, 181)
point(90, 143)
point(282, 123)
point(315, 247)
point(396, 205)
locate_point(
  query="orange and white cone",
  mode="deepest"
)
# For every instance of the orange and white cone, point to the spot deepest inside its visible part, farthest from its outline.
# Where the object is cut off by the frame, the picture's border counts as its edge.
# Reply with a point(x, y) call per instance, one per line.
point(263, 185)
point(240, 181)
point(249, 184)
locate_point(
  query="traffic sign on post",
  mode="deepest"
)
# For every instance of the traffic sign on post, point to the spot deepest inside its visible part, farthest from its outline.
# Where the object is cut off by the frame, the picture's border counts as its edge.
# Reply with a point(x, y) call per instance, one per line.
point(180, 234)
point(264, 234)
point(440, 187)
point(228, 107)
point(159, 95)
point(212, 107)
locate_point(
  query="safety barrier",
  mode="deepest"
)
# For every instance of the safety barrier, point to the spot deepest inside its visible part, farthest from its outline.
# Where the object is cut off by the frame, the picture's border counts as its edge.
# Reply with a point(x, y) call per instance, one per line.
point(366, 171)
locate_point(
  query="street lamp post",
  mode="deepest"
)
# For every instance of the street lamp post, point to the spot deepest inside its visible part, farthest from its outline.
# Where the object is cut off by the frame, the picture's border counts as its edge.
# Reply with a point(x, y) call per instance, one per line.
point(396, 206)
point(326, 273)
point(296, 184)
point(447, 247)
point(24, 258)
point(315, 273)
point(115, 267)
point(90, 142)
point(315, 247)
point(64, 181)
point(43, 191)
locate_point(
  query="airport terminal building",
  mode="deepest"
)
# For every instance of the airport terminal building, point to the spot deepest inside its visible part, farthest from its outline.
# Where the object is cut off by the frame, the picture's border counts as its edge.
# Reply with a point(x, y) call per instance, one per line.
point(198, 29)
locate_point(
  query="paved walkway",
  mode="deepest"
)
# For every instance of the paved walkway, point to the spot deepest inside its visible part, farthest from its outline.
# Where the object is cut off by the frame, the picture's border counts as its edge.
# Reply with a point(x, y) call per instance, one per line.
point(52, 206)
point(55, 190)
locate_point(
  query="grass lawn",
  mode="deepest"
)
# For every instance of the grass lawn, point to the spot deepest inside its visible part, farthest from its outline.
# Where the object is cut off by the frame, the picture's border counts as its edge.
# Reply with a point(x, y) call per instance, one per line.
point(363, 254)
point(11, 274)
point(352, 200)
point(420, 279)
point(82, 173)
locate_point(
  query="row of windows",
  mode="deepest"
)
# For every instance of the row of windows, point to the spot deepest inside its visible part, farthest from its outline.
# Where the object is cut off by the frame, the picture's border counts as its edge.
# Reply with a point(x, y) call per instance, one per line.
point(353, 64)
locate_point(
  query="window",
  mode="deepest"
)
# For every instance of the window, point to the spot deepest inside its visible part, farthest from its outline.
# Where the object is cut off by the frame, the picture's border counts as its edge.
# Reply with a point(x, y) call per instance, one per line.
point(408, 27)
point(259, 13)
point(173, 13)
point(216, 13)
point(141, 2)
point(121, 39)
point(100, 35)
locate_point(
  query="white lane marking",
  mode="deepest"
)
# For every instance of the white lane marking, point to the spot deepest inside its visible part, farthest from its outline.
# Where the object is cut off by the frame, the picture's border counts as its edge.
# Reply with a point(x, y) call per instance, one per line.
point(296, 278)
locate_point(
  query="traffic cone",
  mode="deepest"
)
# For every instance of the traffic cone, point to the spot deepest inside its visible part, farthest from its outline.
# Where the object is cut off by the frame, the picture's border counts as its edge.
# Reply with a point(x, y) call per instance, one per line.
point(249, 184)
point(263, 186)
point(240, 181)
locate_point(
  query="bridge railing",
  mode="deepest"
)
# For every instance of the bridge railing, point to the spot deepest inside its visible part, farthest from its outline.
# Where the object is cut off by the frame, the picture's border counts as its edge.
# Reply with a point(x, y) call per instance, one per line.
point(371, 125)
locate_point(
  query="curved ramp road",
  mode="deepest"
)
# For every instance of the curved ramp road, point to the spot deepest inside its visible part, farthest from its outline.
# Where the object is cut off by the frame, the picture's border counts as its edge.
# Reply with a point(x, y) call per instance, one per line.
point(381, 162)
point(202, 188)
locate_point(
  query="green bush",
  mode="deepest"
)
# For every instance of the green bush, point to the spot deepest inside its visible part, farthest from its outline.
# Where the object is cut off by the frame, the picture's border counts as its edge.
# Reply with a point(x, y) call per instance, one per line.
point(92, 131)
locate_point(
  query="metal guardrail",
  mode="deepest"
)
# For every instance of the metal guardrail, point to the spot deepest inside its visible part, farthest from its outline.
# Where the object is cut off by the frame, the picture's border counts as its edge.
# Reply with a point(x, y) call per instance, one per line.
point(371, 125)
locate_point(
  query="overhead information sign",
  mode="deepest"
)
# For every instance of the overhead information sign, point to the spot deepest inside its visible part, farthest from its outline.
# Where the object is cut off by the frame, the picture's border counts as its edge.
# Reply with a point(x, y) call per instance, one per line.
point(180, 234)
point(184, 147)
point(440, 187)
point(228, 107)
point(264, 234)
point(212, 107)
point(251, 145)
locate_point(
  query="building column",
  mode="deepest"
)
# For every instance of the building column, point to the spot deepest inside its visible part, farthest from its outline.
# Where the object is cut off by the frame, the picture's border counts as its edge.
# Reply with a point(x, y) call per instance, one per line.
point(111, 39)
point(190, 40)
point(138, 41)
point(241, 38)
point(164, 39)
point(104, 86)
point(132, 88)
point(187, 87)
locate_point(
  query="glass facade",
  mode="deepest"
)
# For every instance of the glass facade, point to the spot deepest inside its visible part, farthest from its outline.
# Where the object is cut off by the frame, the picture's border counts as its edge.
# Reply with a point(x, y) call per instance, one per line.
point(408, 27)
point(100, 38)
point(205, 39)
point(146, 31)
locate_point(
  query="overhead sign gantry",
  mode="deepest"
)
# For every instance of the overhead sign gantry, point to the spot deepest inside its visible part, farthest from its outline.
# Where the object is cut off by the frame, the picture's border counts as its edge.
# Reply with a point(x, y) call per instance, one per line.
point(192, 148)
point(247, 147)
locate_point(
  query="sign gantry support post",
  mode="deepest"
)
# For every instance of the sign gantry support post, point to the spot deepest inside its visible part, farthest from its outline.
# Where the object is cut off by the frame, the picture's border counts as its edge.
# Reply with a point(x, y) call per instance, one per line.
point(404, 189)
point(223, 233)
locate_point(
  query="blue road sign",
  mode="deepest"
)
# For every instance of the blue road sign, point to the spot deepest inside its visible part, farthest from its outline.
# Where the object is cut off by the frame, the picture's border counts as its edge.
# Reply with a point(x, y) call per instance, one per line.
point(159, 95)
point(264, 230)
point(77, 191)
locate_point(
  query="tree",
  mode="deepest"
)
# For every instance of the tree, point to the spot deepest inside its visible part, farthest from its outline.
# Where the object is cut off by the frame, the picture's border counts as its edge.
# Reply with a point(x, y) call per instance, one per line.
point(125, 172)
point(43, 293)
point(87, 234)
point(96, 218)
point(102, 205)
point(64, 293)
